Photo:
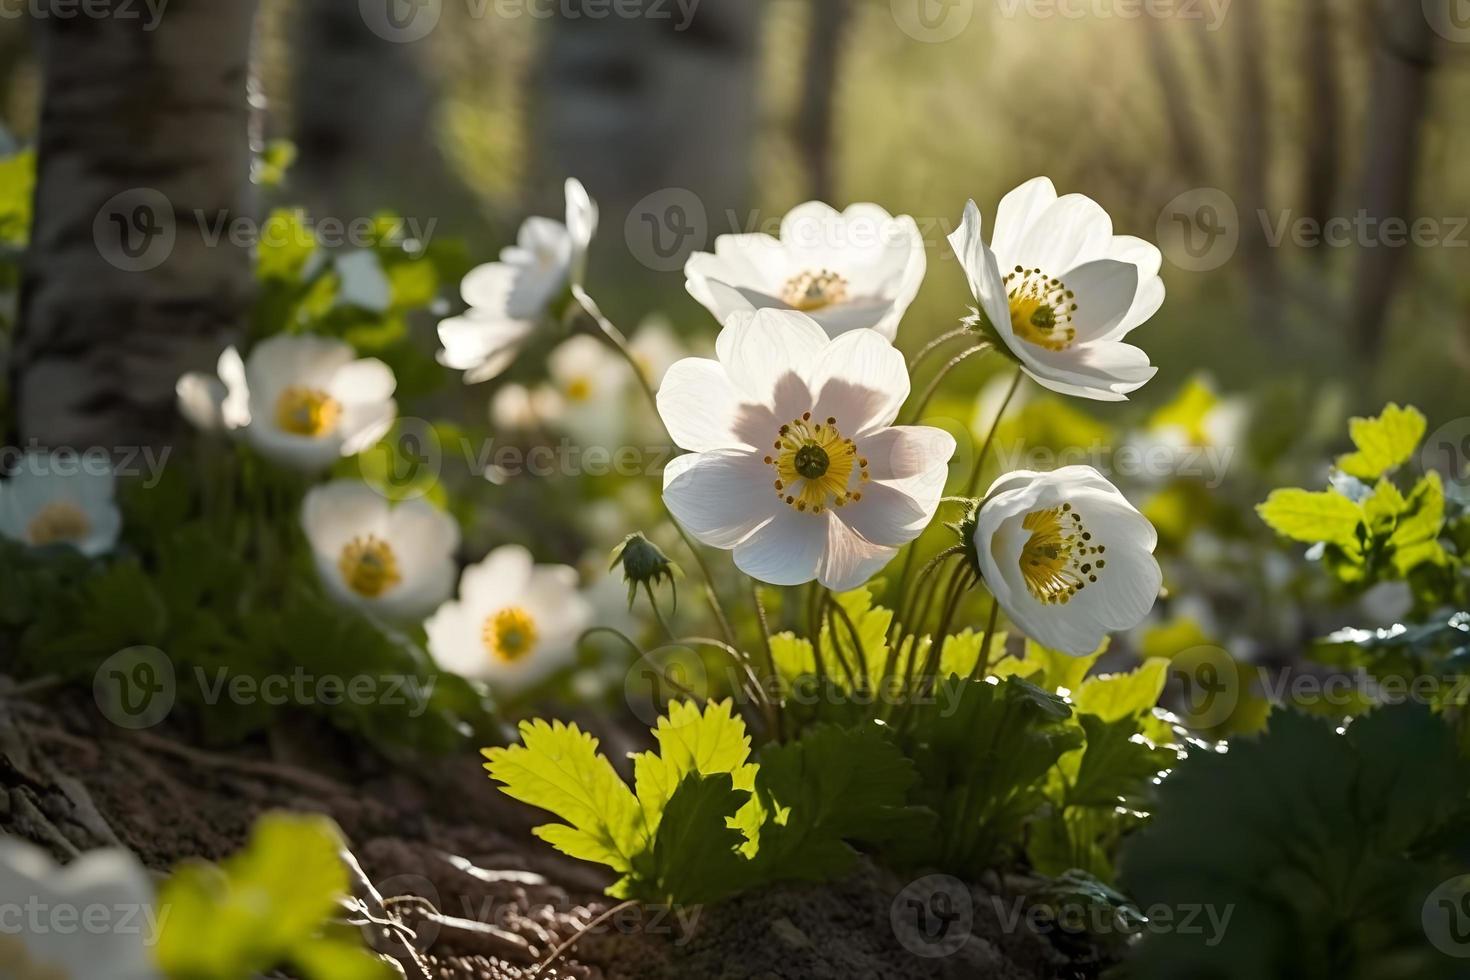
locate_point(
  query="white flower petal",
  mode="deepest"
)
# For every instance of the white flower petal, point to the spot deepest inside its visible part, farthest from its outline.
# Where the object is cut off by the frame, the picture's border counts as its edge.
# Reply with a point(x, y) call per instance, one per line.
point(1074, 229)
point(335, 513)
point(720, 497)
point(581, 216)
point(1018, 211)
point(761, 350)
point(366, 380)
point(499, 579)
point(903, 451)
point(201, 401)
point(861, 380)
point(1103, 292)
point(849, 559)
point(787, 550)
point(703, 411)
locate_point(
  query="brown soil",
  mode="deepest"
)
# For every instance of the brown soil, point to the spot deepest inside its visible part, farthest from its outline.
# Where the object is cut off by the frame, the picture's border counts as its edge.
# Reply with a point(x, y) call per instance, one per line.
point(451, 860)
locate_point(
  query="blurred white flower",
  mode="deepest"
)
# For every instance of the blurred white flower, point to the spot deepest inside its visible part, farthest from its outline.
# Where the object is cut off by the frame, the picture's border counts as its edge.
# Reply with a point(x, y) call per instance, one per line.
point(118, 947)
point(61, 498)
point(656, 348)
point(514, 624)
point(860, 268)
point(1067, 556)
point(796, 465)
point(516, 408)
point(508, 298)
point(302, 401)
point(591, 381)
point(393, 560)
point(1062, 291)
point(363, 282)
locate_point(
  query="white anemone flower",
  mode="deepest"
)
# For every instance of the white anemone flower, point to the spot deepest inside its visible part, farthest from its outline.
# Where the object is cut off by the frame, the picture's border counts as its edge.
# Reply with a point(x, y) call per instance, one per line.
point(590, 381)
point(1068, 558)
point(1062, 291)
point(108, 890)
point(514, 624)
point(393, 560)
point(61, 498)
point(796, 465)
point(302, 401)
point(860, 268)
point(507, 299)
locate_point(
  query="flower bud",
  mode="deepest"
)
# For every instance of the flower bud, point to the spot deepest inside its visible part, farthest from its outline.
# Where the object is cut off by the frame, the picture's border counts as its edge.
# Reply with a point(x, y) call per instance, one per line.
point(644, 564)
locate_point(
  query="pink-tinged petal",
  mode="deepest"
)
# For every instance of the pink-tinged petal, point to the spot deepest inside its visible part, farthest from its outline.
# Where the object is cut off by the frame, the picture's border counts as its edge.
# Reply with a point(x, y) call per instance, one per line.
point(759, 350)
point(720, 497)
point(887, 515)
point(786, 550)
point(849, 559)
point(703, 411)
point(902, 451)
point(861, 380)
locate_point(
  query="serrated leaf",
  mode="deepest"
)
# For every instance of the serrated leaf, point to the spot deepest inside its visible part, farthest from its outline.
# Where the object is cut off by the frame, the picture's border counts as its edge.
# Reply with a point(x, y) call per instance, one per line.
point(1115, 696)
point(558, 768)
point(1049, 669)
point(696, 853)
point(1384, 442)
point(690, 741)
point(829, 787)
point(1116, 764)
point(1415, 538)
point(1313, 516)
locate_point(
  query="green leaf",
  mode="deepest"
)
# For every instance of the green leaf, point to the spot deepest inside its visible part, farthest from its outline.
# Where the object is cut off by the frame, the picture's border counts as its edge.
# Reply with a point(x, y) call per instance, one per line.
point(1313, 516)
point(696, 854)
point(286, 243)
point(559, 769)
point(17, 192)
point(691, 742)
point(258, 909)
point(831, 786)
point(340, 959)
point(1116, 764)
point(1128, 695)
point(1415, 538)
point(1049, 669)
point(1384, 443)
point(1320, 846)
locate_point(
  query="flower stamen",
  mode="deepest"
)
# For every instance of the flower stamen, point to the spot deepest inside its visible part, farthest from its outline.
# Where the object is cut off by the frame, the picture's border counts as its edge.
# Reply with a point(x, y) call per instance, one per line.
point(369, 566)
point(816, 465)
point(1041, 309)
point(59, 521)
point(1059, 559)
point(509, 635)
point(307, 412)
point(812, 291)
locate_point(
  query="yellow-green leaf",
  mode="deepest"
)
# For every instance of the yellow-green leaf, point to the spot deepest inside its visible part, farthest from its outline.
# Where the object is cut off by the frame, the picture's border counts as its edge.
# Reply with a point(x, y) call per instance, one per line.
point(1384, 443)
point(1115, 696)
point(1312, 516)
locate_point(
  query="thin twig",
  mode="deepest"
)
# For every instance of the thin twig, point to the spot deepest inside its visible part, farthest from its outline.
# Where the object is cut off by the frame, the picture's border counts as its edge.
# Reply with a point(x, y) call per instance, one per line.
point(556, 953)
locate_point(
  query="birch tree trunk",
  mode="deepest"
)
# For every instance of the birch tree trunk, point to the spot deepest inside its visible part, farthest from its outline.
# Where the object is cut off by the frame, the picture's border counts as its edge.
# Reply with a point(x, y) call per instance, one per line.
point(661, 102)
point(132, 277)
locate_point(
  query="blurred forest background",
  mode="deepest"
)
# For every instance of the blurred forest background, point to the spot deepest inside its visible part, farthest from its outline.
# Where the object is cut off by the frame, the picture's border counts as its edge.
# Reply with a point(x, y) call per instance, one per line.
point(1295, 109)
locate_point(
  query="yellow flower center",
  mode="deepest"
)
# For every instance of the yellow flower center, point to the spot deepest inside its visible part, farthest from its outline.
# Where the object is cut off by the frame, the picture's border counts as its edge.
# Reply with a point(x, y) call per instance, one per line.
point(1041, 309)
point(1058, 559)
point(814, 290)
point(510, 635)
point(307, 412)
point(369, 566)
point(59, 521)
point(815, 465)
point(578, 389)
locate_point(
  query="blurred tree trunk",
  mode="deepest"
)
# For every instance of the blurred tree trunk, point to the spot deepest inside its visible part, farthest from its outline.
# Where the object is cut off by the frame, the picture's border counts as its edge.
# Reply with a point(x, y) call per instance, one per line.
point(1397, 103)
point(659, 102)
point(1323, 113)
point(364, 122)
point(132, 278)
point(1184, 134)
point(1253, 153)
point(816, 117)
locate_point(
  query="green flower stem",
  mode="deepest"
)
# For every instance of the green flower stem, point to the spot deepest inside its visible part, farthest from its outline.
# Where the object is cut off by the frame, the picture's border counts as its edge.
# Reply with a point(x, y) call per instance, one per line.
point(775, 717)
point(973, 487)
point(620, 342)
point(982, 664)
point(934, 345)
point(938, 378)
